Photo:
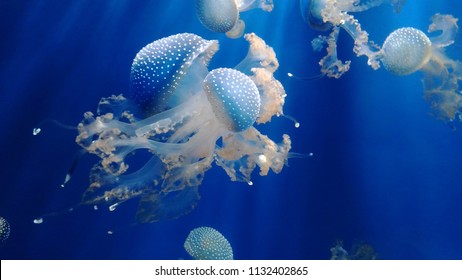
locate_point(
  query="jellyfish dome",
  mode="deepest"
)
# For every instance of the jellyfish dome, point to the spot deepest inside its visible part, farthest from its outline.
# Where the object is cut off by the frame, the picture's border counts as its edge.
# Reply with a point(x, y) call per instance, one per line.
point(222, 16)
point(185, 110)
point(405, 51)
point(206, 243)
point(159, 67)
point(408, 50)
point(4, 230)
point(323, 15)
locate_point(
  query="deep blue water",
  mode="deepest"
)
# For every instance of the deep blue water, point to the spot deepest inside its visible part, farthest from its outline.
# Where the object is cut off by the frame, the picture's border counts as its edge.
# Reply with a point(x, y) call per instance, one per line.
point(384, 171)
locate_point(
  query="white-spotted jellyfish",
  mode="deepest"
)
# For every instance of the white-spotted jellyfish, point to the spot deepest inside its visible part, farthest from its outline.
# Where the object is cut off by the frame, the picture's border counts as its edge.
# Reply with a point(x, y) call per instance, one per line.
point(222, 16)
point(407, 50)
point(185, 110)
point(4, 230)
point(206, 243)
point(323, 15)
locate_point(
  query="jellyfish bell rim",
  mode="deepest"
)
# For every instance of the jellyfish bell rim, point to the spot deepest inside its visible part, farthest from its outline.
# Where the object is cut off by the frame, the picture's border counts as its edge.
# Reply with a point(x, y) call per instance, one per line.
point(311, 13)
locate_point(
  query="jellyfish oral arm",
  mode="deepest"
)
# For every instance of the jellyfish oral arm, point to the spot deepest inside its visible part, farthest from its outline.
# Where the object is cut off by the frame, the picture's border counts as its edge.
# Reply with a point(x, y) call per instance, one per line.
point(447, 24)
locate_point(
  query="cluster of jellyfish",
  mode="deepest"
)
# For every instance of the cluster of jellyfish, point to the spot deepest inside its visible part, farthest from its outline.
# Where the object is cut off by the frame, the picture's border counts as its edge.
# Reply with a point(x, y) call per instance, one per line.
point(405, 51)
point(186, 117)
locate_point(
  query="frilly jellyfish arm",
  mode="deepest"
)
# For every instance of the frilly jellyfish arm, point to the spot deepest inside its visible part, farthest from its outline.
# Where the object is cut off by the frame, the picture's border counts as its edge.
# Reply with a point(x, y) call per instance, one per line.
point(241, 153)
point(245, 5)
point(334, 14)
point(330, 64)
point(447, 24)
point(443, 75)
point(260, 64)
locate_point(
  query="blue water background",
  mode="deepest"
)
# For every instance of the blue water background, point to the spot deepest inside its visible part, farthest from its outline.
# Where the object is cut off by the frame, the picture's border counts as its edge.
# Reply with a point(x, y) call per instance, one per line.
point(384, 171)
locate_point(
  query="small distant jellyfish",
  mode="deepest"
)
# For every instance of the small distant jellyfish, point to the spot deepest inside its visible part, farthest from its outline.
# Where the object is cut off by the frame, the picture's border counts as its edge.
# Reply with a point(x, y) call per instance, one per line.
point(324, 15)
point(206, 243)
point(4, 230)
point(407, 50)
point(177, 111)
point(359, 251)
point(222, 16)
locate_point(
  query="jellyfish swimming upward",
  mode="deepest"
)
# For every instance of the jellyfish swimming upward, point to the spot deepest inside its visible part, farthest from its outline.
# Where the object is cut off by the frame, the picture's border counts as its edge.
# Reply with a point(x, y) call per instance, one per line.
point(222, 16)
point(185, 109)
point(335, 15)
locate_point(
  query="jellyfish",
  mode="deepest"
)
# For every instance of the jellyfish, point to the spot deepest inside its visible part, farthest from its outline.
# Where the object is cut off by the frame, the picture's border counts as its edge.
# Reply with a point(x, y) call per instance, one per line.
point(360, 250)
point(407, 50)
point(206, 243)
point(338, 252)
point(183, 117)
point(4, 230)
point(323, 15)
point(222, 16)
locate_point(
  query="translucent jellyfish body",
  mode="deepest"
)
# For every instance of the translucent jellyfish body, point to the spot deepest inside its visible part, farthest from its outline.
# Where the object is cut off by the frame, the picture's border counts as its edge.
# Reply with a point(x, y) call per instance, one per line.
point(185, 111)
point(206, 243)
point(4, 230)
point(407, 50)
point(222, 16)
point(335, 14)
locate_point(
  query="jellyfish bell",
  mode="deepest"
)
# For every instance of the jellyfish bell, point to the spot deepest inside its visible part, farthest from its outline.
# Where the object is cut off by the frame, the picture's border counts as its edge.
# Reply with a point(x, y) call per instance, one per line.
point(311, 13)
point(222, 16)
point(217, 15)
point(236, 105)
point(405, 51)
point(206, 243)
point(160, 68)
